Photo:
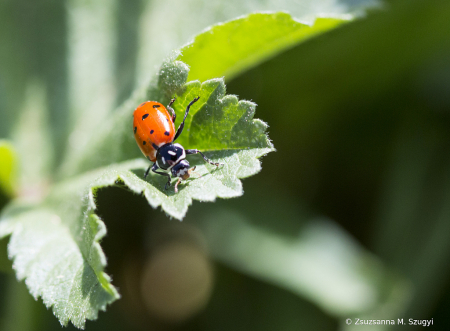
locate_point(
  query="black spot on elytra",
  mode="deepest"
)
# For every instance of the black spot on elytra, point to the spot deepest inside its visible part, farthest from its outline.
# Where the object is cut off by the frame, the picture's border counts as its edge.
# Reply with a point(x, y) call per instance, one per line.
point(142, 104)
point(151, 131)
point(144, 142)
point(144, 116)
point(135, 128)
point(167, 133)
point(156, 106)
point(155, 146)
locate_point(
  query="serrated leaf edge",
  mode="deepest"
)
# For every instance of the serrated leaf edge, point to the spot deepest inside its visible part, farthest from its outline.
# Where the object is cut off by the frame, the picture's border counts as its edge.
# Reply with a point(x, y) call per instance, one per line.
point(103, 279)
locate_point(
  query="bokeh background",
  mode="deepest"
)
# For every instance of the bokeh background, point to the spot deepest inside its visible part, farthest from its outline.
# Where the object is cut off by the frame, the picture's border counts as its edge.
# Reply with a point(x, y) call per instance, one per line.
point(350, 218)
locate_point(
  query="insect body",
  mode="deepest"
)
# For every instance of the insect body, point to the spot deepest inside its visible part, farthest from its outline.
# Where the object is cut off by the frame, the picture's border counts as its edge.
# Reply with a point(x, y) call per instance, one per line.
point(154, 131)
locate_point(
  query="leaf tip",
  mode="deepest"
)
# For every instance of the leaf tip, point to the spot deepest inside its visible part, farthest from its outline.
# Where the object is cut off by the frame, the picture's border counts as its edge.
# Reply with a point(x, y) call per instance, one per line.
point(172, 76)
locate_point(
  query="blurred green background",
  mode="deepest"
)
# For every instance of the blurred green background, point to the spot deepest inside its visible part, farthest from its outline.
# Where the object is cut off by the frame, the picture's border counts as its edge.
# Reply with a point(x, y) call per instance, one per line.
point(350, 218)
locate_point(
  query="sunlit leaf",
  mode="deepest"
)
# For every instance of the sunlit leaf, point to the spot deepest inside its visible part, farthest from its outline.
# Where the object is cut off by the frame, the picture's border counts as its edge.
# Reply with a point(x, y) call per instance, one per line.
point(229, 49)
point(55, 248)
point(184, 19)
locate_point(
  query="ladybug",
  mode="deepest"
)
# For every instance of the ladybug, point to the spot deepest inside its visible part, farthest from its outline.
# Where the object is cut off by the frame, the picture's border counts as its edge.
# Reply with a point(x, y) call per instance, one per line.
point(154, 131)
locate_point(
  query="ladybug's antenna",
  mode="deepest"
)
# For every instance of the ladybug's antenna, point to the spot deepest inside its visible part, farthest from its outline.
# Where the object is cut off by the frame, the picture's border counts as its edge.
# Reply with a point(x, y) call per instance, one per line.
point(176, 185)
point(180, 128)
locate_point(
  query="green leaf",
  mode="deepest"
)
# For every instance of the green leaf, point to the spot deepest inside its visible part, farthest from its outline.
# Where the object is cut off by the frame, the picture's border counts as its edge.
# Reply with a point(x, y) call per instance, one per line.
point(183, 20)
point(218, 124)
point(230, 48)
point(218, 121)
point(55, 248)
point(7, 168)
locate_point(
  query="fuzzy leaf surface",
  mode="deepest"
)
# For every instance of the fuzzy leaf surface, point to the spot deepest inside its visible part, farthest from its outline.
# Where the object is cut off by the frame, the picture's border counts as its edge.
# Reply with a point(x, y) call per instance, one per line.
point(55, 249)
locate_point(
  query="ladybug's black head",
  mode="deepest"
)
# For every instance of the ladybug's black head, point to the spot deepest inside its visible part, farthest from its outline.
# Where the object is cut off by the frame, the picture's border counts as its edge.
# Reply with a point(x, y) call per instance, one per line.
point(173, 157)
point(169, 155)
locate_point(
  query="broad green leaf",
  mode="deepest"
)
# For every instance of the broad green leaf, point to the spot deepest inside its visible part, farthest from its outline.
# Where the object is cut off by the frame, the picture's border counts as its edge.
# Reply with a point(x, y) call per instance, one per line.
point(55, 248)
point(184, 19)
point(8, 166)
point(229, 49)
point(218, 121)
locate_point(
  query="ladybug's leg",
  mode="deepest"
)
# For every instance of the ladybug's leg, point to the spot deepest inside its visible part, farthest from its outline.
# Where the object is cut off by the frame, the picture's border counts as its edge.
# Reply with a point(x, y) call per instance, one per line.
point(180, 128)
point(196, 151)
point(176, 185)
point(154, 168)
point(169, 107)
point(147, 171)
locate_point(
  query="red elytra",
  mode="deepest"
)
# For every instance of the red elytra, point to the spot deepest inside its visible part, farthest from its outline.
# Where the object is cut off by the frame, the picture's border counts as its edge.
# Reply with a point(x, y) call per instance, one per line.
point(153, 127)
